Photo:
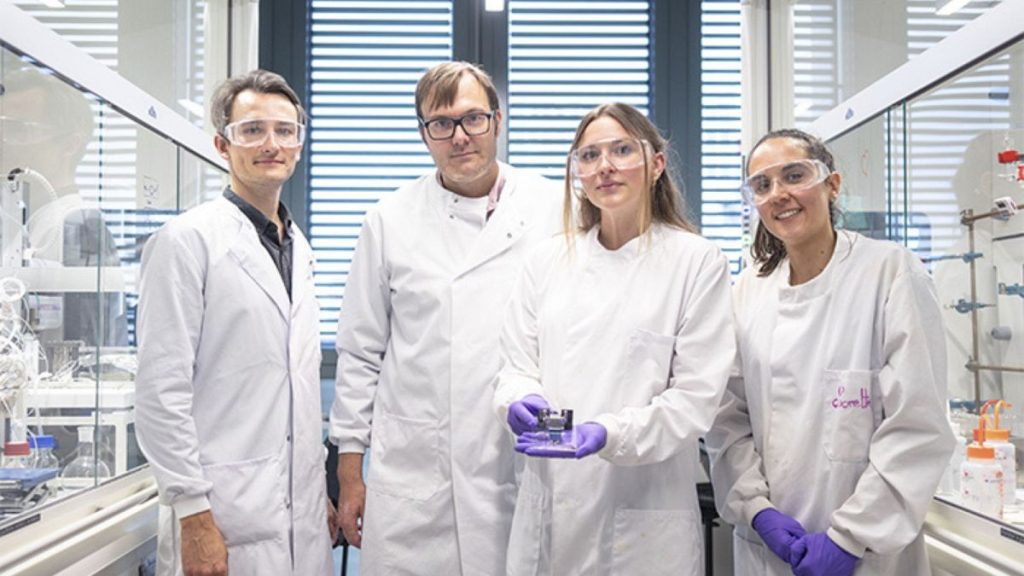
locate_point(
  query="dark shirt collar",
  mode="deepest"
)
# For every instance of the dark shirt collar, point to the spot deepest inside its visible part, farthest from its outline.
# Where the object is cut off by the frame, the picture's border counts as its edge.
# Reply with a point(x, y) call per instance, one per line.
point(265, 226)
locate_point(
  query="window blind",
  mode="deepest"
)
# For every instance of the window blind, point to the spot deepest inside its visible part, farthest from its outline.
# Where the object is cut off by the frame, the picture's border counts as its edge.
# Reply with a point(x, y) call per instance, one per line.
point(722, 210)
point(565, 58)
point(365, 60)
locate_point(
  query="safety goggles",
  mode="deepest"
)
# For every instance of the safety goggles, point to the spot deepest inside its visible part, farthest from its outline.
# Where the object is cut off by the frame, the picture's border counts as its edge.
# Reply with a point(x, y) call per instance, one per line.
point(252, 133)
point(443, 127)
point(16, 131)
point(620, 153)
point(787, 176)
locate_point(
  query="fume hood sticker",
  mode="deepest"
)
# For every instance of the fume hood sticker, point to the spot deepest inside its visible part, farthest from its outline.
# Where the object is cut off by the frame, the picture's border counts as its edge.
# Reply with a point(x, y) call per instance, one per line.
point(150, 191)
point(1012, 535)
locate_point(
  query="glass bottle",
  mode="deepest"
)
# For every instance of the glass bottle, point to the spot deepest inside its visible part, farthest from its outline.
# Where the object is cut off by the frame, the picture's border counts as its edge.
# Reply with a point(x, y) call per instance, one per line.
point(86, 468)
point(42, 448)
point(16, 455)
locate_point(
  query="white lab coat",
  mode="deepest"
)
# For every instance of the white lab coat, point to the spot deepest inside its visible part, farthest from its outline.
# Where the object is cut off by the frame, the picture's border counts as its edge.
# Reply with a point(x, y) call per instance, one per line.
point(417, 357)
point(228, 392)
point(640, 340)
point(836, 416)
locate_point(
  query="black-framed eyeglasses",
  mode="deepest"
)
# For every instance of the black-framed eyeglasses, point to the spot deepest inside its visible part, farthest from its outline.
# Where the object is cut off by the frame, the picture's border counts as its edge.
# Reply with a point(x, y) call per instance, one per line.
point(443, 128)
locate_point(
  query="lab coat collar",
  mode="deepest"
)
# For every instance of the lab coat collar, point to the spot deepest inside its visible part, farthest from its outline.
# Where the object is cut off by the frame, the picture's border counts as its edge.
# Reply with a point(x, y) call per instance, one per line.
point(822, 284)
point(505, 227)
point(253, 258)
point(628, 251)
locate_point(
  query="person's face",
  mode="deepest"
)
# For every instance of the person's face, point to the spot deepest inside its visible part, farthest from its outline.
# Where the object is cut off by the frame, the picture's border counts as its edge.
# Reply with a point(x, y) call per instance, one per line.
point(463, 159)
point(794, 216)
point(616, 189)
point(268, 165)
point(31, 136)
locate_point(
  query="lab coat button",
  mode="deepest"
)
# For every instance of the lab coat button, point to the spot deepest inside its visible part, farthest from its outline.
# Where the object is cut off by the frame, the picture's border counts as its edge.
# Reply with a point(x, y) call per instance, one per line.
point(509, 235)
point(289, 437)
point(451, 216)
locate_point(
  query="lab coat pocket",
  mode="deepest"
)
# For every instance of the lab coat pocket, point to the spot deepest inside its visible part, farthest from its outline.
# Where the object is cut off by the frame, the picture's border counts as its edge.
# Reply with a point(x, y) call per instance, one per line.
point(849, 398)
point(656, 542)
point(404, 457)
point(650, 364)
point(248, 499)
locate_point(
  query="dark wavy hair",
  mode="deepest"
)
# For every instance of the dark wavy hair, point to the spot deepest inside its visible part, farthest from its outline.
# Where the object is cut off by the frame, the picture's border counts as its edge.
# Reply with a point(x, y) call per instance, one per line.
point(768, 250)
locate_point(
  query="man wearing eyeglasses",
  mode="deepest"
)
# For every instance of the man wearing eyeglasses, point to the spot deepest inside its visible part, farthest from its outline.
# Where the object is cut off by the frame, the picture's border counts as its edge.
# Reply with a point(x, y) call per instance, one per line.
point(418, 344)
point(228, 388)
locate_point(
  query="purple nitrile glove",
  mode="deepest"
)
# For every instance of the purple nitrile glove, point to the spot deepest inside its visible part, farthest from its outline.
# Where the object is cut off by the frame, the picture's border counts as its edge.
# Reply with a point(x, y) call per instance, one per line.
point(530, 439)
point(588, 437)
point(816, 554)
point(522, 414)
point(778, 531)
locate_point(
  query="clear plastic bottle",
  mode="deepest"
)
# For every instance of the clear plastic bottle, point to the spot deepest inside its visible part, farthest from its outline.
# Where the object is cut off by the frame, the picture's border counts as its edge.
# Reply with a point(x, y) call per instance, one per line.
point(42, 449)
point(17, 455)
point(86, 468)
point(999, 439)
point(1006, 456)
point(981, 481)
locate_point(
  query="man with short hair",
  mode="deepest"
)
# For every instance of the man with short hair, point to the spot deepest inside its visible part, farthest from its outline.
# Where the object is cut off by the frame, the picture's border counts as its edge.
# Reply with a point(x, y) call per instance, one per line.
point(418, 344)
point(47, 126)
point(228, 389)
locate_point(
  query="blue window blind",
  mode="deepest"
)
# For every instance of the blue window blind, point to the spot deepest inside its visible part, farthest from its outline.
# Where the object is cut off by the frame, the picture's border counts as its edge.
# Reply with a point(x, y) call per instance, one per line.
point(564, 59)
point(722, 211)
point(365, 60)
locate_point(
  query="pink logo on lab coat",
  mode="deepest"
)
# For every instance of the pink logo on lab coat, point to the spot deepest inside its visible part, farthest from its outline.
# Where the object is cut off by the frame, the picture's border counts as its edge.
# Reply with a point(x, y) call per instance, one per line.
point(841, 403)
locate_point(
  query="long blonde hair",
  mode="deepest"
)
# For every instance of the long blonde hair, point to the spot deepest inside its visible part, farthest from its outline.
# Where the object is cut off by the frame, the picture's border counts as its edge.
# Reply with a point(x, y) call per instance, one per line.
point(663, 205)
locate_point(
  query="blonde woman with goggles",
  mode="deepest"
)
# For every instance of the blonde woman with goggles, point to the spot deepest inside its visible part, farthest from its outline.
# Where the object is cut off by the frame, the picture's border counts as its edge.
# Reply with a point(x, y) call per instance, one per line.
point(831, 438)
point(626, 320)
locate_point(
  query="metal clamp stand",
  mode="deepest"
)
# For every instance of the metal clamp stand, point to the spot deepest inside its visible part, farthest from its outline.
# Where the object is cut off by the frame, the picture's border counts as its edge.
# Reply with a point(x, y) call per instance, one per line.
point(968, 218)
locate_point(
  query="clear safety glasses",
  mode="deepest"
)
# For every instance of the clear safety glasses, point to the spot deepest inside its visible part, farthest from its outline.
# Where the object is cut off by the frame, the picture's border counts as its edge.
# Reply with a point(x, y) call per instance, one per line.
point(443, 128)
point(15, 131)
point(787, 176)
point(252, 133)
point(621, 154)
